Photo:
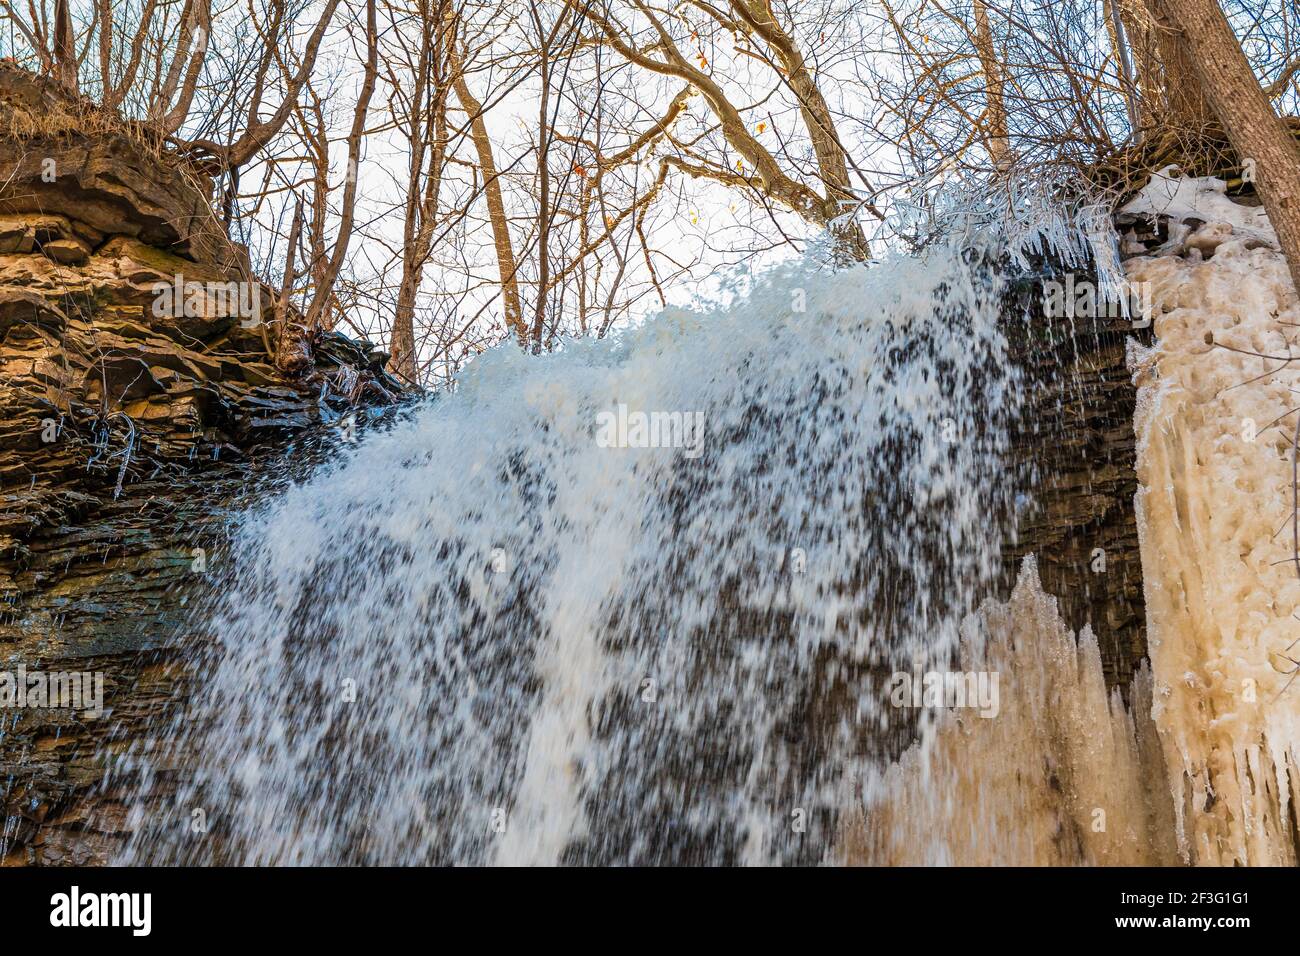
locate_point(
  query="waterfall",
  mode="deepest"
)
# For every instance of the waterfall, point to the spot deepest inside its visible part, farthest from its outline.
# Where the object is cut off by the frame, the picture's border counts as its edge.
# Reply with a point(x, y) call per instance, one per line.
point(643, 600)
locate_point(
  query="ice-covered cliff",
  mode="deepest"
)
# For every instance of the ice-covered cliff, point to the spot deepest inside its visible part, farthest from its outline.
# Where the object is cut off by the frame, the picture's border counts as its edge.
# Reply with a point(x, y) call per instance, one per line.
point(1217, 423)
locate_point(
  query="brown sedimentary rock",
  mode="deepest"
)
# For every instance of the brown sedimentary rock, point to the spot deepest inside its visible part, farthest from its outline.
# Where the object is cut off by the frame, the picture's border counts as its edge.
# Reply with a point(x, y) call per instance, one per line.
point(131, 427)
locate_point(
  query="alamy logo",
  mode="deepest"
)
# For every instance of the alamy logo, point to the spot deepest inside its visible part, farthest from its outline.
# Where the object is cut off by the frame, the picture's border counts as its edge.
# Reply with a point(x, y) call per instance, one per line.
point(976, 690)
point(1081, 299)
point(179, 298)
point(103, 909)
point(624, 429)
point(63, 689)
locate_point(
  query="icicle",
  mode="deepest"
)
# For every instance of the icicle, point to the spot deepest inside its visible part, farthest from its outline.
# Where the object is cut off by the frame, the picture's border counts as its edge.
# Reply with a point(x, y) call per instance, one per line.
point(1214, 517)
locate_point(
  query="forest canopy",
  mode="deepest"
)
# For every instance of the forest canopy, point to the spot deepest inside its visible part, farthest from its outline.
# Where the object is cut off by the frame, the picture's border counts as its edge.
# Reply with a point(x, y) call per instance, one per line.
point(442, 175)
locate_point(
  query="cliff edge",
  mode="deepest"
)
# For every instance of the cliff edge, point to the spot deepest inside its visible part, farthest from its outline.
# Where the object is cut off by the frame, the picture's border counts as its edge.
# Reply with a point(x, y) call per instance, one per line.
point(138, 408)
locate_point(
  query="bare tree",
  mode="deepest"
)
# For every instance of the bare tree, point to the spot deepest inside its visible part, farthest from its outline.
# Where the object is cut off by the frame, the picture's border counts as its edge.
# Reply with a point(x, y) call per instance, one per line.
point(330, 271)
point(421, 119)
point(995, 108)
point(65, 53)
point(654, 42)
point(1228, 82)
point(260, 132)
point(507, 266)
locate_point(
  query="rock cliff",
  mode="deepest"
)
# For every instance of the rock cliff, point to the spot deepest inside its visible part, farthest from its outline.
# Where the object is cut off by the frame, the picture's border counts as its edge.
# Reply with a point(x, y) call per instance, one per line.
point(138, 408)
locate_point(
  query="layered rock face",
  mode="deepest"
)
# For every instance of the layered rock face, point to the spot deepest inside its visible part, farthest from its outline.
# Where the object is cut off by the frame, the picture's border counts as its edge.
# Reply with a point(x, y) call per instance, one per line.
point(138, 407)
point(1073, 463)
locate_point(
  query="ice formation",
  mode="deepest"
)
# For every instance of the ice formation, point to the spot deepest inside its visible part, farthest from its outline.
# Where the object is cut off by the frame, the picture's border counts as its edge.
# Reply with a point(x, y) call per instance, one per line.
point(1067, 774)
point(1216, 508)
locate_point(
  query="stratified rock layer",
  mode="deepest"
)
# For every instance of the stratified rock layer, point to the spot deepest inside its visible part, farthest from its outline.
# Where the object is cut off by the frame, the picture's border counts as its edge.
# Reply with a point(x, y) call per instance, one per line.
point(1073, 464)
point(128, 432)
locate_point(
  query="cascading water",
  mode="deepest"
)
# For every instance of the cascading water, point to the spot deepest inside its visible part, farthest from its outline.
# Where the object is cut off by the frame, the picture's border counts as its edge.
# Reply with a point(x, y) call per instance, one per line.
point(505, 631)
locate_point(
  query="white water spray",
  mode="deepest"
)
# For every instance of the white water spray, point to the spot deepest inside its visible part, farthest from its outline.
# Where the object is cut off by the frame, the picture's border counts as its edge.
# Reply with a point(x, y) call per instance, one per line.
point(486, 636)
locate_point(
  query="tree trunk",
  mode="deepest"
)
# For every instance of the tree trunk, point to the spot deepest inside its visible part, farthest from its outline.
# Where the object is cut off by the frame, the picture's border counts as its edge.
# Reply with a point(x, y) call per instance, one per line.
point(1137, 26)
point(496, 206)
point(65, 53)
point(1235, 95)
point(401, 343)
point(1124, 64)
point(995, 110)
point(1185, 101)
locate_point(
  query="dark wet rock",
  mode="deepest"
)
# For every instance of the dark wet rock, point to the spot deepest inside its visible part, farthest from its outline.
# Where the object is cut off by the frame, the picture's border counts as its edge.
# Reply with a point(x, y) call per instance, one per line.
point(1074, 463)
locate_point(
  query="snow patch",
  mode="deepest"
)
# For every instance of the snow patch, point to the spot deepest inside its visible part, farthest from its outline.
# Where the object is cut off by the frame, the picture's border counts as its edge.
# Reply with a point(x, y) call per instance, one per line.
point(1183, 198)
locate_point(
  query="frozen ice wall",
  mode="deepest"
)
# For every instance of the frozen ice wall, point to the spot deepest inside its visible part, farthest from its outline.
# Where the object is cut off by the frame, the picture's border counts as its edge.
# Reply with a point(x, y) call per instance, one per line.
point(1064, 775)
point(1216, 428)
